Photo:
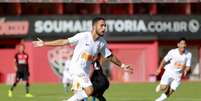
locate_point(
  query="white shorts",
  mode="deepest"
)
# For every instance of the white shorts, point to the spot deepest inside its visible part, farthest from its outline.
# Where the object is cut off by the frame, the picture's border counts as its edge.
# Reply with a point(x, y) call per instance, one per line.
point(169, 79)
point(67, 78)
point(81, 81)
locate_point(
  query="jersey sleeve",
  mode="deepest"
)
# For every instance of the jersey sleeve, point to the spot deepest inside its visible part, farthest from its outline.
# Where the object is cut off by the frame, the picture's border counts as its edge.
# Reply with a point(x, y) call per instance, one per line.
point(75, 39)
point(188, 62)
point(168, 56)
point(105, 52)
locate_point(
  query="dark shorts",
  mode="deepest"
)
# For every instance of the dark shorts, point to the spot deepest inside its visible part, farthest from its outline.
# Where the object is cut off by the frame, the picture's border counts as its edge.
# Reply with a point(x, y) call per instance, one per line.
point(100, 83)
point(24, 75)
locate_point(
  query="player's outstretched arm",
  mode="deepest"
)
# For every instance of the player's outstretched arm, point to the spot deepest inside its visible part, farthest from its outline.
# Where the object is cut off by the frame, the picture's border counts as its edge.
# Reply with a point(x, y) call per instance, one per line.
point(160, 67)
point(15, 65)
point(116, 61)
point(40, 43)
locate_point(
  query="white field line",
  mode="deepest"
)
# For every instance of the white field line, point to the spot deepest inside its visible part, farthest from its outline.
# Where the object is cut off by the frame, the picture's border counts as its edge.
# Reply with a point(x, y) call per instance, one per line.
point(151, 99)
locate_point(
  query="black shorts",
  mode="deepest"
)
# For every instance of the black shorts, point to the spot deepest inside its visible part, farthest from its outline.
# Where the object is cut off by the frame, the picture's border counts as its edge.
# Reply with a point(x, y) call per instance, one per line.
point(100, 82)
point(24, 75)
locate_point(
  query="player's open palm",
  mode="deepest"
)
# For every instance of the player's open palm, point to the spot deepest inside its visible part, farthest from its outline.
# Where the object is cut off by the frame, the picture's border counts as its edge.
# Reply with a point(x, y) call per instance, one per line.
point(38, 43)
point(127, 68)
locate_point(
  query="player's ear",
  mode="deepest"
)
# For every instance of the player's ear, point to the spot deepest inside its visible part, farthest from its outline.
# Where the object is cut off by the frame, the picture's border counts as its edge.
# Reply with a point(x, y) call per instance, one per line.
point(94, 26)
point(178, 44)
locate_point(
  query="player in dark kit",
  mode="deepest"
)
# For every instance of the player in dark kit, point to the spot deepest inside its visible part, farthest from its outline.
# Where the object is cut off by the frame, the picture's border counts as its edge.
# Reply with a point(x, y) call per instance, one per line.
point(22, 70)
point(99, 81)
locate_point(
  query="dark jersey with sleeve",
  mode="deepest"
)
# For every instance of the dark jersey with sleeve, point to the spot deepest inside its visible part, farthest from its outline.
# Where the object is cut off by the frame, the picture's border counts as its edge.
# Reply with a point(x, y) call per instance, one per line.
point(21, 61)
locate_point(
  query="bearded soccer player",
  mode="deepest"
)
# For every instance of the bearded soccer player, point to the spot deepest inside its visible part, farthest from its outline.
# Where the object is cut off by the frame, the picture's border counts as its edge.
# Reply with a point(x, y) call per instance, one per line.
point(22, 70)
point(88, 45)
point(179, 62)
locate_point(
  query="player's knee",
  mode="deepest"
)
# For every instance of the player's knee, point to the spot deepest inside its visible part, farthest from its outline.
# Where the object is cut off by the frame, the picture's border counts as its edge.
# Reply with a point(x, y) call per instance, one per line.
point(89, 90)
point(27, 83)
point(16, 81)
point(163, 87)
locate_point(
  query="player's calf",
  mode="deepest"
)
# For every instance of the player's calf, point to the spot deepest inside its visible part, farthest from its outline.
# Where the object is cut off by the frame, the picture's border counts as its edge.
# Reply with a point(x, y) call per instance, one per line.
point(169, 92)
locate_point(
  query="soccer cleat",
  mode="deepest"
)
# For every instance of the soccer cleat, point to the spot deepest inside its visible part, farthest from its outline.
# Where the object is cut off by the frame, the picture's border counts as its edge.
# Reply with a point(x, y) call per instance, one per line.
point(157, 100)
point(157, 88)
point(10, 93)
point(28, 95)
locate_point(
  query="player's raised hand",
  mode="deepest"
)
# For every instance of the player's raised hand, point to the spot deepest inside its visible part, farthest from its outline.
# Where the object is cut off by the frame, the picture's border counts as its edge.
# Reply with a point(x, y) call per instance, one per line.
point(127, 68)
point(38, 43)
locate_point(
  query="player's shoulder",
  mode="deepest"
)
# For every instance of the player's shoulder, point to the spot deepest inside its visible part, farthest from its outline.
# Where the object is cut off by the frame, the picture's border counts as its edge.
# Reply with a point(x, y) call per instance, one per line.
point(84, 33)
point(26, 53)
point(102, 40)
point(17, 53)
point(188, 53)
point(173, 50)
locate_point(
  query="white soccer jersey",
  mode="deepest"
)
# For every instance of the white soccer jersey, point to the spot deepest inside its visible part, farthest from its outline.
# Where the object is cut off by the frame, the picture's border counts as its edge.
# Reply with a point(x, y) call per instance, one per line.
point(86, 49)
point(177, 61)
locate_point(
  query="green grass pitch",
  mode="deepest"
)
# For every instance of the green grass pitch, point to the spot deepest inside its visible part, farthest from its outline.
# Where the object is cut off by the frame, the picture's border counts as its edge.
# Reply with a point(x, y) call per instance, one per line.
point(188, 91)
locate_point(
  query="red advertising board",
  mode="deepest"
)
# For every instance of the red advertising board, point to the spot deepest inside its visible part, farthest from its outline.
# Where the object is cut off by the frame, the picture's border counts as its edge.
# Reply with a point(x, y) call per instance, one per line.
point(141, 56)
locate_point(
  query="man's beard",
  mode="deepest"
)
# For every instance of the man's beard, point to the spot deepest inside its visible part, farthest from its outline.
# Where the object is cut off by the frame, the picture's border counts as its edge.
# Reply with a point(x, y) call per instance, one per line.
point(100, 35)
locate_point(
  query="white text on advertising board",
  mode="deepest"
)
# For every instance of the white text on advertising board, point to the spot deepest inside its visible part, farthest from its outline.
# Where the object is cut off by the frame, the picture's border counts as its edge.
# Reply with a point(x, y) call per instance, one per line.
point(121, 25)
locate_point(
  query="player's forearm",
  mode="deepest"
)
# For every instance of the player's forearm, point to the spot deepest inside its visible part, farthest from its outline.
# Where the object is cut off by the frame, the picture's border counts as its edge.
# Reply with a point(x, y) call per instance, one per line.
point(161, 64)
point(187, 70)
point(15, 65)
point(115, 60)
point(56, 42)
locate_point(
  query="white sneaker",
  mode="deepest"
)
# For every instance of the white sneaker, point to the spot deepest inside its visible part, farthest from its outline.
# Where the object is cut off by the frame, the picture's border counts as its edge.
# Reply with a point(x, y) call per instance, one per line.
point(157, 100)
point(157, 88)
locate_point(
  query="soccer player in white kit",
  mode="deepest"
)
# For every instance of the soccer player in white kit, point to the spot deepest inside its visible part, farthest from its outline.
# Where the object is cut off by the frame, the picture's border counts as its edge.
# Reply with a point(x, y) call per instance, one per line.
point(176, 62)
point(66, 77)
point(88, 45)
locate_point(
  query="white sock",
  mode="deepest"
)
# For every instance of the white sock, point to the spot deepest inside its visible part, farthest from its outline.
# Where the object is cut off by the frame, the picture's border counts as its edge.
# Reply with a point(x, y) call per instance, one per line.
point(163, 97)
point(80, 95)
point(65, 88)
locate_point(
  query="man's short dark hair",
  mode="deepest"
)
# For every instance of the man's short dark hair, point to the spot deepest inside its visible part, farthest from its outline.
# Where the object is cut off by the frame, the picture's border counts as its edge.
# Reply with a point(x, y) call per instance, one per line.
point(96, 19)
point(183, 39)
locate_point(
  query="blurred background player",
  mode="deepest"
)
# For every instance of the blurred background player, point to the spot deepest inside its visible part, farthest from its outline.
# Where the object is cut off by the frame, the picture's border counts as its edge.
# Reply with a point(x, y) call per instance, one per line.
point(22, 70)
point(67, 78)
point(176, 62)
point(88, 45)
